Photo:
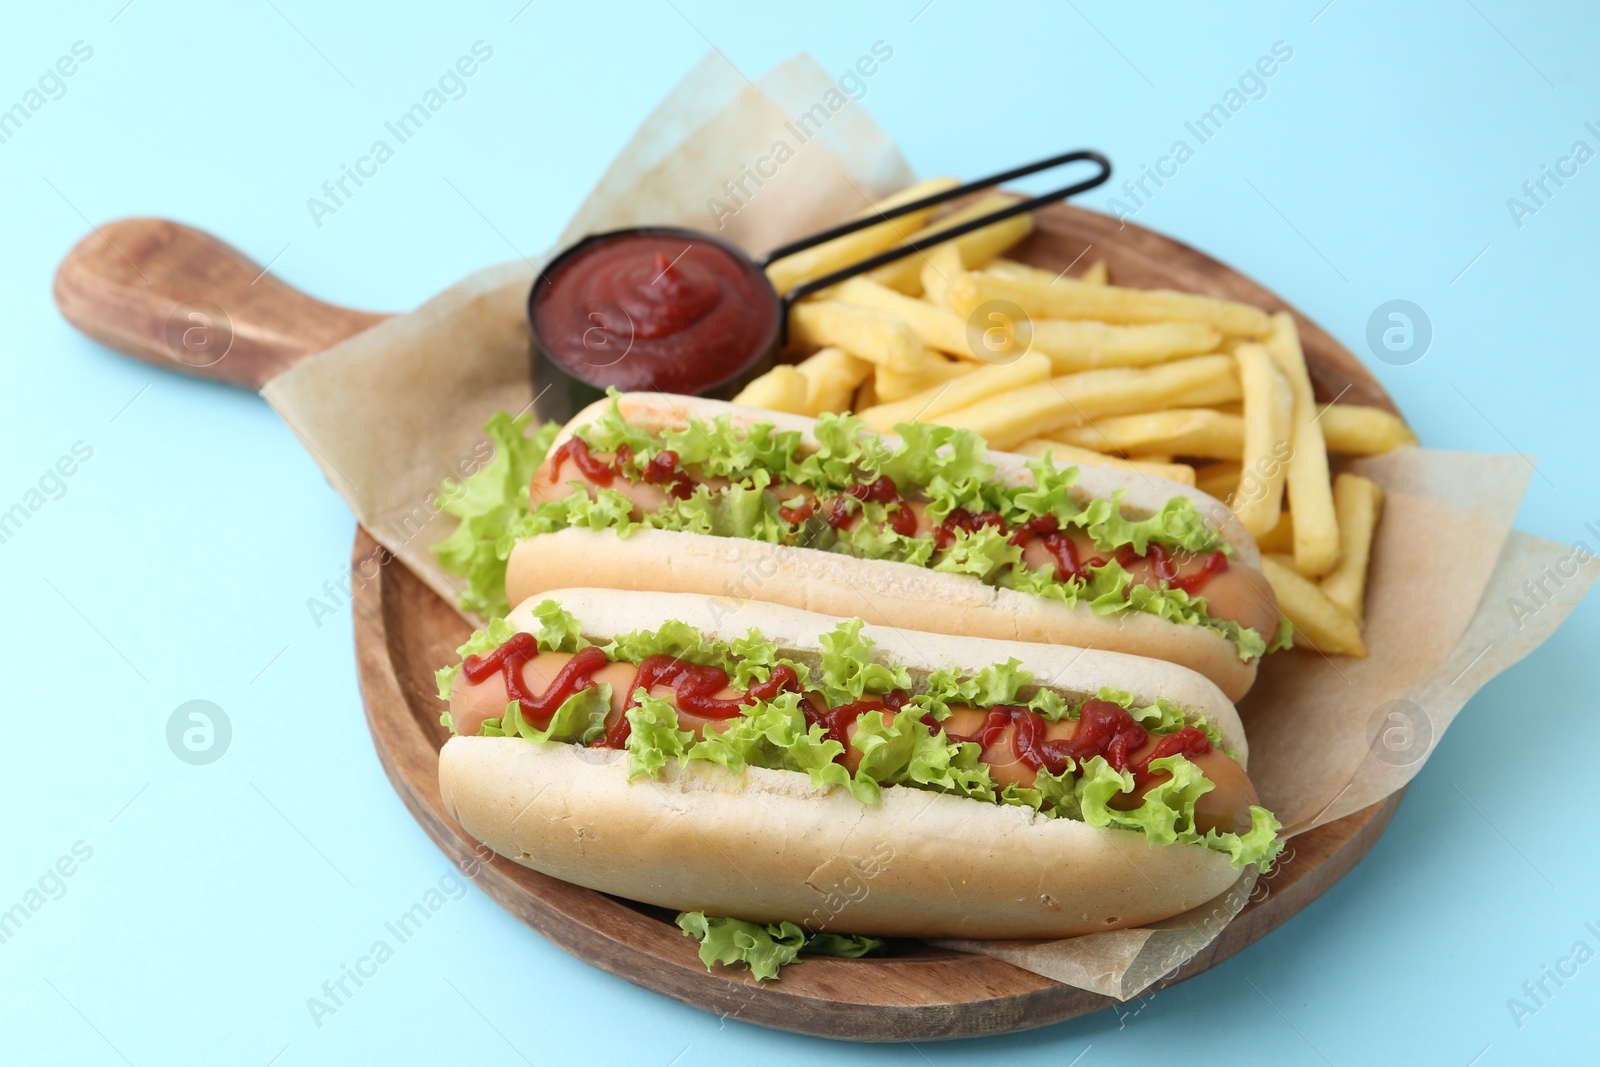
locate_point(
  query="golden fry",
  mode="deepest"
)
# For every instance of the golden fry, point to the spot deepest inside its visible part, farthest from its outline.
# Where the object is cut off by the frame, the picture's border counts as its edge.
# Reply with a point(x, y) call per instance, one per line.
point(840, 252)
point(783, 388)
point(1316, 531)
point(832, 377)
point(1072, 399)
point(930, 404)
point(1095, 274)
point(866, 334)
point(942, 264)
point(1359, 504)
point(1319, 623)
point(1070, 299)
point(1268, 413)
point(1082, 344)
point(1070, 456)
point(890, 386)
point(1281, 537)
point(936, 326)
point(1353, 430)
point(1199, 432)
point(1219, 479)
point(866, 395)
point(976, 248)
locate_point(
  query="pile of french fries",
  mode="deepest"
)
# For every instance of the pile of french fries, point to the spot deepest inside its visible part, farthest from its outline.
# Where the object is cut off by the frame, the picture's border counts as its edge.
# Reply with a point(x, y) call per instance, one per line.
point(1207, 392)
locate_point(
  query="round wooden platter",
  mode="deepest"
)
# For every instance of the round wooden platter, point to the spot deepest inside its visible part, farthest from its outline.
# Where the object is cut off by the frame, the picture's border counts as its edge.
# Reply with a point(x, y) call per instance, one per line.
point(916, 992)
point(121, 285)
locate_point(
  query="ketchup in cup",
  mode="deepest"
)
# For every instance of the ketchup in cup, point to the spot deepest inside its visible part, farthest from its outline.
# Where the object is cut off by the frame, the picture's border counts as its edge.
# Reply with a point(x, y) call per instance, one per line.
point(660, 309)
point(653, 309)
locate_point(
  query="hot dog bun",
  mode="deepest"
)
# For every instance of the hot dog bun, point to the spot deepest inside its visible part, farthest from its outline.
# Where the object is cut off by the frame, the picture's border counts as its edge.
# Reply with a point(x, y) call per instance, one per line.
point(767, 845)
point(880, 591)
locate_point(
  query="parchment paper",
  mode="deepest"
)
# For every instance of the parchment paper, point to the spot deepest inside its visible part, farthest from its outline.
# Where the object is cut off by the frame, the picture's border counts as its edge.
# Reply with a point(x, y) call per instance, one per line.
point(1328, 736)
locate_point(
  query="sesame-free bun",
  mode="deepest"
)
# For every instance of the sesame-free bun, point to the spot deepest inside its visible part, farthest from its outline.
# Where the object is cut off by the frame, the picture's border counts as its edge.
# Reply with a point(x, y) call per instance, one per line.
point(767, 845)
point(882, 591)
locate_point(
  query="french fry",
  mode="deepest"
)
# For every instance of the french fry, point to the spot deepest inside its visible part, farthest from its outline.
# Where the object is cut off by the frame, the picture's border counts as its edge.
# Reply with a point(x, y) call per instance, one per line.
point(1069, 456)
point(832, 377)
point(1219, 479)
point(977, 247)
point(1280, 538)
point(1070, 299)
point(1094, 274)
point(783, 388)
point(1073, 399)
point(1353, 430)
point(890, 387)
point(1359, 504)
point(1198, 432)
point(866, 395)
point(840, 252)
point(942, 264)
point(1319, 623)
point(930, 404)
point(1082, 344)
point(936, 326)
point(1268, 413)
point(1310, 490)
point(864, 333)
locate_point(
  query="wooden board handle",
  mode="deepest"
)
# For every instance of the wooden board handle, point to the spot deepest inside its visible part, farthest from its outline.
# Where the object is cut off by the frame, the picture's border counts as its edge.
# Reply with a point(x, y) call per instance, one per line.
point(180, 298)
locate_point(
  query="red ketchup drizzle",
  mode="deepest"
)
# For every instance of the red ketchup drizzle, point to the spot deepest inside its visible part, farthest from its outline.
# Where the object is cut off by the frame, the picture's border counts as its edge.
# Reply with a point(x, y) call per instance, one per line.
point(799, 513)
point(1029, 742)
point(1062, 548)
point(509, 659)
point(1214, 565)
point(1189, 741)
point(783, 679)
point(944, 535)
point(692, 685)
point(1106, 729)
point(664, 470)
point(836, 721)
point(577, 450)
point(881, 491)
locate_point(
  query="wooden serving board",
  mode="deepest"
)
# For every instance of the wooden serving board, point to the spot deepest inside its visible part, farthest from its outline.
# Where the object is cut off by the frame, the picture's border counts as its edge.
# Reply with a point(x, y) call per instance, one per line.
point(121, 286)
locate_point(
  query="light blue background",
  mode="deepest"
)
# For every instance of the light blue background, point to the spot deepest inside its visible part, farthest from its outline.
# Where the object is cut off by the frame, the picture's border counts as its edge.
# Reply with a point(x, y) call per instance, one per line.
point(179, 562)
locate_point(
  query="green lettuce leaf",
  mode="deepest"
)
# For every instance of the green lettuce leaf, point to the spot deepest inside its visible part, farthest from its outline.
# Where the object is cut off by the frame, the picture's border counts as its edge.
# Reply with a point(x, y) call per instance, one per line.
point(904, 750)
point(673, 638)
point(655, 738)
point(488, 503)
point(1178, 524)
point(558, 629)
point(774, 734)
point(849, 670)
point(765, 948)
point(1258, 846)
point(985, 554)
point(580, 719)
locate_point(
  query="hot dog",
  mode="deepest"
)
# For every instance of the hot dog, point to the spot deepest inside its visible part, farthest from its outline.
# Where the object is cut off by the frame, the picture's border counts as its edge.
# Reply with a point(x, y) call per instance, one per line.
point(731, 757)
point(928, 530)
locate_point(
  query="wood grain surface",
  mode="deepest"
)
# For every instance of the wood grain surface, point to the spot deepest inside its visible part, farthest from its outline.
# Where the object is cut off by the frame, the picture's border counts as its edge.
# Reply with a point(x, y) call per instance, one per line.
point(180, 298)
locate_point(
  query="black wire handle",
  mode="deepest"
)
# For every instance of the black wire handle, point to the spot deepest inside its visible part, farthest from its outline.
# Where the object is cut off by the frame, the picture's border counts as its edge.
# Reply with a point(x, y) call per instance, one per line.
point(799, 292)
